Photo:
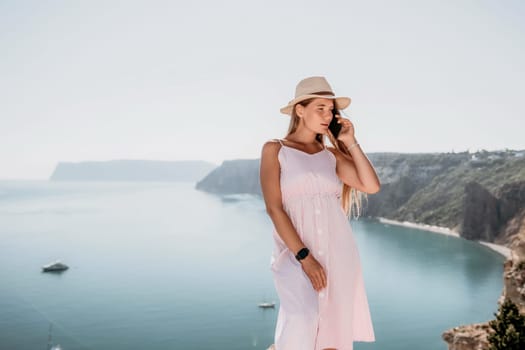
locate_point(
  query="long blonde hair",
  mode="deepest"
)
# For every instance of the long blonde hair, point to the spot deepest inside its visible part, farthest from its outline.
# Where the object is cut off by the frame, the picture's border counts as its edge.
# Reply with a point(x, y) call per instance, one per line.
point(351, 199)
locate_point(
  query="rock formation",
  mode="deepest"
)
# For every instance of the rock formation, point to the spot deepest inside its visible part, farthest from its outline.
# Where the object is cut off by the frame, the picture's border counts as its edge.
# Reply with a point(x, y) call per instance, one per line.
point(480, 213)
point(233, 176)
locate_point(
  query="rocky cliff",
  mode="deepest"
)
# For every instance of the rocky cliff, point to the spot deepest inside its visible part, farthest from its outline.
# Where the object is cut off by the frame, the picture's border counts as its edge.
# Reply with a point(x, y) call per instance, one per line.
point(439, 197)
point(488, 216)
point(232, 177)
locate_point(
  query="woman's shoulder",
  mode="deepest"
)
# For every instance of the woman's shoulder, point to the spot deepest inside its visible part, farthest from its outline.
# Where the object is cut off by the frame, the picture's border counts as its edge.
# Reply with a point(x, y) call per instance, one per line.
point(271, 147)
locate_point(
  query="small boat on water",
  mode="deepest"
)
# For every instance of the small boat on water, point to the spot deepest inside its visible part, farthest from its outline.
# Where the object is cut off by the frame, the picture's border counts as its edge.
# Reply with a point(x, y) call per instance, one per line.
point(267, 305)
point(54, 267)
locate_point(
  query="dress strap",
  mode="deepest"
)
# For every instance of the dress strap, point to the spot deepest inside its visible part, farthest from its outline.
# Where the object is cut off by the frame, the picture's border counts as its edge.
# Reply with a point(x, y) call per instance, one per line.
point(281, 142)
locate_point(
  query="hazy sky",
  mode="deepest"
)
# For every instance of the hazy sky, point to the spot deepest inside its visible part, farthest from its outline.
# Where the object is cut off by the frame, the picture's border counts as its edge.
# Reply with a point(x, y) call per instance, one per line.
point(174, 80)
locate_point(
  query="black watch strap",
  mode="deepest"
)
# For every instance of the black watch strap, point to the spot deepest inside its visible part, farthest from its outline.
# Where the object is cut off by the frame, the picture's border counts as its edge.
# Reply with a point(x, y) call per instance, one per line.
point(303, 253)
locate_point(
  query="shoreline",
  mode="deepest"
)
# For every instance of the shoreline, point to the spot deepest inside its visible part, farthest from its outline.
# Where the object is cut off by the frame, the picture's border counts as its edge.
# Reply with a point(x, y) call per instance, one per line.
point(501, 249)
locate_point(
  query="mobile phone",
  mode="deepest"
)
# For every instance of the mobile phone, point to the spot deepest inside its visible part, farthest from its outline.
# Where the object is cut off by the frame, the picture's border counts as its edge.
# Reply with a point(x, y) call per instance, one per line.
point(334, 126)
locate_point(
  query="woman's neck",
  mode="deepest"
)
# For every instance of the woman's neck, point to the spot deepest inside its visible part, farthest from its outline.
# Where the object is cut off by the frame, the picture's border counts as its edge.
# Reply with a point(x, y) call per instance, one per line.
point(304, 138)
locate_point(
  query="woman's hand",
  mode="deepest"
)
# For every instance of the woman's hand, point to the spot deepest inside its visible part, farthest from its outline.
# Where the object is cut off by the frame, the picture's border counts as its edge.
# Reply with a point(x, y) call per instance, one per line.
point(314, 271)
point(347, 133)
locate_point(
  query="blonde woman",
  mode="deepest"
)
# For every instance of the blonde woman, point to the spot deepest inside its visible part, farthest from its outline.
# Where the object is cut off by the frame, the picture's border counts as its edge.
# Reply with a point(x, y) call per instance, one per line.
point(310, 190)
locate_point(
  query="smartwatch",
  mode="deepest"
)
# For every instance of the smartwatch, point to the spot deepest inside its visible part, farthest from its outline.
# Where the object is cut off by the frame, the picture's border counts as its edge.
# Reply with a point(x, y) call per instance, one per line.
point(303, 253)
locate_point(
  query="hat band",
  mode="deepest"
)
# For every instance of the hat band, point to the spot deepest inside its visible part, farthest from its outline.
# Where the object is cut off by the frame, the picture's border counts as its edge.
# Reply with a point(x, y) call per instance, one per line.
point(322, 93)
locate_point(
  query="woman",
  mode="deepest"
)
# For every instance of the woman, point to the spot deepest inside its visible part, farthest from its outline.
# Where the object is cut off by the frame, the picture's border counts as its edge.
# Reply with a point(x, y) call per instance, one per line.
point(307, 188)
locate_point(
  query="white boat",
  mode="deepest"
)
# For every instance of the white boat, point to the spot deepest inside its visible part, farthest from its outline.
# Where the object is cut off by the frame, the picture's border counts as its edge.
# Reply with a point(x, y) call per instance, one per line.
point(267, 305)
point(55, 266)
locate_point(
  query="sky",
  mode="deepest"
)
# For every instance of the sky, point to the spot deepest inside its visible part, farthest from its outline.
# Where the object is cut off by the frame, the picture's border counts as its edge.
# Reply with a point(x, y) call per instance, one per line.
point(204, 80)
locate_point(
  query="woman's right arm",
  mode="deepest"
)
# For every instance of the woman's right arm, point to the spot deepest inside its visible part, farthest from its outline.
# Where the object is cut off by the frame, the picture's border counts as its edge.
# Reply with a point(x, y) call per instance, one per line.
point(271, 190)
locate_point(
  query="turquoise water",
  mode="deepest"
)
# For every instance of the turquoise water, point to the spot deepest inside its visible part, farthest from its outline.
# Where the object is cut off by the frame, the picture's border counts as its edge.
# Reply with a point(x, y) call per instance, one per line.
point(163, 266)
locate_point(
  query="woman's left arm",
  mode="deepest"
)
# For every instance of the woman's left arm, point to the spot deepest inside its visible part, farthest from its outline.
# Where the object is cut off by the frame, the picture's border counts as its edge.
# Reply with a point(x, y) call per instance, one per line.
point(355, 171)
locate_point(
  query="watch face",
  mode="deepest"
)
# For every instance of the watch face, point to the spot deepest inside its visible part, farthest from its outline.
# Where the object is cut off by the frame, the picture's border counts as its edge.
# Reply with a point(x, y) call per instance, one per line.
point(303, 253)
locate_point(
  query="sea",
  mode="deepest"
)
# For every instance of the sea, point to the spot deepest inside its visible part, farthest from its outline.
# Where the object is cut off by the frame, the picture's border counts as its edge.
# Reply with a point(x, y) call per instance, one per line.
point(162, 265)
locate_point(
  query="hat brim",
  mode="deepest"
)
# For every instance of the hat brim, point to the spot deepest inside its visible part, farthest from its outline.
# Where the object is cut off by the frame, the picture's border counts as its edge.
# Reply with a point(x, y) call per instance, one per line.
point(340, 102)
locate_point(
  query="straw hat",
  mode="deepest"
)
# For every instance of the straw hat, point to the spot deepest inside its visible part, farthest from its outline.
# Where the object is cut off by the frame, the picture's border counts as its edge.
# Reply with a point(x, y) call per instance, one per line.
point(316, 87)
